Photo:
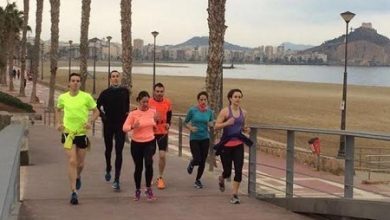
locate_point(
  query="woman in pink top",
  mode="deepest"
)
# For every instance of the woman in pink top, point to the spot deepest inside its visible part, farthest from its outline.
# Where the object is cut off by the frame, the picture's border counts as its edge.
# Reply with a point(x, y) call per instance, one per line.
point(140, 124)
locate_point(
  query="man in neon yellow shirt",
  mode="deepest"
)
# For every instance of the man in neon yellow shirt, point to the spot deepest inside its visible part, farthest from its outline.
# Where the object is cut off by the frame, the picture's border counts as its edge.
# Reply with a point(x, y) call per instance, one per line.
point(74, 124)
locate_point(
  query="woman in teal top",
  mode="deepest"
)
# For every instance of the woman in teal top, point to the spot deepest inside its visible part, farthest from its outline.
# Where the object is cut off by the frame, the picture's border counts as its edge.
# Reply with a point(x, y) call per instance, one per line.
point(197, 121)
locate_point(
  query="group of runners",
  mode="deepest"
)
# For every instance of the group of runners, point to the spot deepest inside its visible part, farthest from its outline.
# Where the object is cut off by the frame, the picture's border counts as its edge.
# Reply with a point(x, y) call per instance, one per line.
point(147, 127)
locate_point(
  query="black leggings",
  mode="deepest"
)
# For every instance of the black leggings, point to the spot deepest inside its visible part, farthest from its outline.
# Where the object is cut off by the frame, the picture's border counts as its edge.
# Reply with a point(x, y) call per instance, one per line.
point(141, 151)
point(235, 155)
point(199, 151)
point(111, 131)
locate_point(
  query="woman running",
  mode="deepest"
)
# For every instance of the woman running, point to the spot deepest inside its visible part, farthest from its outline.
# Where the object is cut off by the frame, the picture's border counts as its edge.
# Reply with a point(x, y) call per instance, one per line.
point(197, 121)
point(232, 120)
point(140, 123)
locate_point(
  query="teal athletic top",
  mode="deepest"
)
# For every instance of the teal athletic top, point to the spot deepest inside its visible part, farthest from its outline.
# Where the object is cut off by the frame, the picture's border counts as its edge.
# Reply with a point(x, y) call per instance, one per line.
point(199, 120)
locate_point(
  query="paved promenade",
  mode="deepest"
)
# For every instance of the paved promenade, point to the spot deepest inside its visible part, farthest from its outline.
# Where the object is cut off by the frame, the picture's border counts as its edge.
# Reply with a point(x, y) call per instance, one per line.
point(46, 194)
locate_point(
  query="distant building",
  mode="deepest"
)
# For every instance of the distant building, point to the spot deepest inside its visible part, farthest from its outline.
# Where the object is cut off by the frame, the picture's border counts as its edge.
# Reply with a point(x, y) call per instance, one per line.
point(367, 25)
point(138, 44)
point(269, 51)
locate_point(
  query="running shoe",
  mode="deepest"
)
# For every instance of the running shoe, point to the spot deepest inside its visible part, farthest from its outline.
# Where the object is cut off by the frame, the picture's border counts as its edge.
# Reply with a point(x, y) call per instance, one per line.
point(116, 186)
point(107, 176)
point(198, 184)
point(78, 183)
point(137, 195)
point(221, 183)
point(149, 194)
point(235, 199)
point(190, 168)
point(74, 199)
point(160, 183)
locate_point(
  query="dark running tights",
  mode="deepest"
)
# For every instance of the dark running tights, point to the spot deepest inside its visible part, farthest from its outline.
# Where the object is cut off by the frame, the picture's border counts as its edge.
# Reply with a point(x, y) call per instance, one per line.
point(143, 152)
point(110, 132)
point(234, 155)
point(199, 151)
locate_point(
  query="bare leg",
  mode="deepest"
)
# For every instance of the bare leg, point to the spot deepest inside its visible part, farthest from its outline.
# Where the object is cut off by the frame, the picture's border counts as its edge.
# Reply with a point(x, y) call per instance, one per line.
point(72, 167)
point(235, 185)
point(81, 153)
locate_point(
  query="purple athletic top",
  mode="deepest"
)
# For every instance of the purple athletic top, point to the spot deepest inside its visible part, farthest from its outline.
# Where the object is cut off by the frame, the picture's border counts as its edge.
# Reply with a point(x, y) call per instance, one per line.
point(233, 129)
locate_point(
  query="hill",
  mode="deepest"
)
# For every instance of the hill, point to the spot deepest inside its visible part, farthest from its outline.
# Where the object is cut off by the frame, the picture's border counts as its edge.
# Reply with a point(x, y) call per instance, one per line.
point(365, 47)
point(204, 41)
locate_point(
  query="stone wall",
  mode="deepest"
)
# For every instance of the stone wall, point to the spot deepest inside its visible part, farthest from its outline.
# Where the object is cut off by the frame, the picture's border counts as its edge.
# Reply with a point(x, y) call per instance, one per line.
point(303, 155)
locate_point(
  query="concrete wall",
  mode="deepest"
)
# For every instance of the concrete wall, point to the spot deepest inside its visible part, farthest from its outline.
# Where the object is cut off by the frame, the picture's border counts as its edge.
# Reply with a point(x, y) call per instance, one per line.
point(10, 143)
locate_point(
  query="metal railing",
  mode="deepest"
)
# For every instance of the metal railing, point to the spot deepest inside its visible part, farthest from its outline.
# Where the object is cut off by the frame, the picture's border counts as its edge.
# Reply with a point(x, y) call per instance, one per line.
point(377, 163)
point(291, 131)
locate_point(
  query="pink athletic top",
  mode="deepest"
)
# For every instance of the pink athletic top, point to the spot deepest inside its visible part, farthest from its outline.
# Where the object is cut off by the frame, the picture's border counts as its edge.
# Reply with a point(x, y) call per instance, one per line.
point(145, 132)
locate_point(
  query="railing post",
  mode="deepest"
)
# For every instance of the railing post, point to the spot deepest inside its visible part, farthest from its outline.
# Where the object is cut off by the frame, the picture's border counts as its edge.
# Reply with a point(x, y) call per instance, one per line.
point(93, 129)
point(290, 164)
point(349, 166)
point(211, 150)
point(252, 164)
point(180, 136)
point(44, 116)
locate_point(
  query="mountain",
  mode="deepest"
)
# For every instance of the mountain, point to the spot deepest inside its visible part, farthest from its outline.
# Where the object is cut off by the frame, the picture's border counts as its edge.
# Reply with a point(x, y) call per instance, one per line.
point(204, 41)
point(295, 47)
point(365, 47)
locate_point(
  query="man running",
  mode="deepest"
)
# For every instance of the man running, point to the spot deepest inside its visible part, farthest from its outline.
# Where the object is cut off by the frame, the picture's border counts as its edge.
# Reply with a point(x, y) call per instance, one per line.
point(73, 124)
point(113, 104)
point(163, 108)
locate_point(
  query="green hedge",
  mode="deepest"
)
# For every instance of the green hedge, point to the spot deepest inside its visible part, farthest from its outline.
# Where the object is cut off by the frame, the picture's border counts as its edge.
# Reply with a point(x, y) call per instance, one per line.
point(15, 102)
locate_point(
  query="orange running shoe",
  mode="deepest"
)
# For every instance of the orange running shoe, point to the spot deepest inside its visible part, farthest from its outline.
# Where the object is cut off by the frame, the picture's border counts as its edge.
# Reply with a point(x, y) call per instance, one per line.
point(160, 183)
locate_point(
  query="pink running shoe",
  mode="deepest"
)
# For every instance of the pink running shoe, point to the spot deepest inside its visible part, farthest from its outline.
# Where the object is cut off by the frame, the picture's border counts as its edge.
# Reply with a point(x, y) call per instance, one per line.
point(149, 194)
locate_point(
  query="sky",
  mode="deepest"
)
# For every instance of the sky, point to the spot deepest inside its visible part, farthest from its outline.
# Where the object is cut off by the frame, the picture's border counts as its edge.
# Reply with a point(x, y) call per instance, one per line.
point(251, 23)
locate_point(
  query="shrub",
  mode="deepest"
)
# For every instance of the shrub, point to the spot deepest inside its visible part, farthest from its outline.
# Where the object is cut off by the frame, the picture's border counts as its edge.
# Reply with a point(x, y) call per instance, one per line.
point(15, 102)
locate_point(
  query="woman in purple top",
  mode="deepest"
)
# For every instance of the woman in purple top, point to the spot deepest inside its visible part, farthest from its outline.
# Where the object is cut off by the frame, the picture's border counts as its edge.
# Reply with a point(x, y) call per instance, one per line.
point(232, 119)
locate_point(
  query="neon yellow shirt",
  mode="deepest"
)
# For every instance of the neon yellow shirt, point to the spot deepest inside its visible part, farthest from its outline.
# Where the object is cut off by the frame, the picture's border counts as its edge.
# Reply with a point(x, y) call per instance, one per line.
point(76, 109)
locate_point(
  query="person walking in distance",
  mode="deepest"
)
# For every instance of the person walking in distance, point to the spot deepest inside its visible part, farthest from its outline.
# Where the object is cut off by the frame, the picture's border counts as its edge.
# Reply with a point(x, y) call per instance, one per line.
point(141, 124)
point(73, 124)
point(198, 120)
point(232, 119)
point(163, 107)
point(113, 104)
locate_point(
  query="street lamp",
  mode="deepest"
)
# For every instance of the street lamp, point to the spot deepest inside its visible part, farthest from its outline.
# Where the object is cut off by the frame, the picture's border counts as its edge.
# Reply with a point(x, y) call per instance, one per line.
point(154, 33)
point(94, 69)
point(109, 60)
point(70, 56)
point(42, 45)
point(347, 16)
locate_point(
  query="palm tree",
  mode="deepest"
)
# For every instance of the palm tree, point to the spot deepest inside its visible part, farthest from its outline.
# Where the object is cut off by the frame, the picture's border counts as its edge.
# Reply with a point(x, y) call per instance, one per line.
point(26, 6)
point(14, 21)
point(126, 44)
point(10, 25)
point(55, 20)
point(216, 21)
point(37, 43)
point(3, 47)
point(86, 9)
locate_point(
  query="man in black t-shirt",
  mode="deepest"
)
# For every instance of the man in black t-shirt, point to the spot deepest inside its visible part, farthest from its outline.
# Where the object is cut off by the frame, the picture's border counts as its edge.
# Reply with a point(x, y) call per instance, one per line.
point(113, 104)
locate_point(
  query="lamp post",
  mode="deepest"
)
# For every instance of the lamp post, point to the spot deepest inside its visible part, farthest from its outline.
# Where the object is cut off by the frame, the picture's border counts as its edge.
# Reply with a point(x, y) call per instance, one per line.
point(154, 33)
point(94, 69)
point(70, 56)
point(42, 45)
point(109, 60)
point(347, 16)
